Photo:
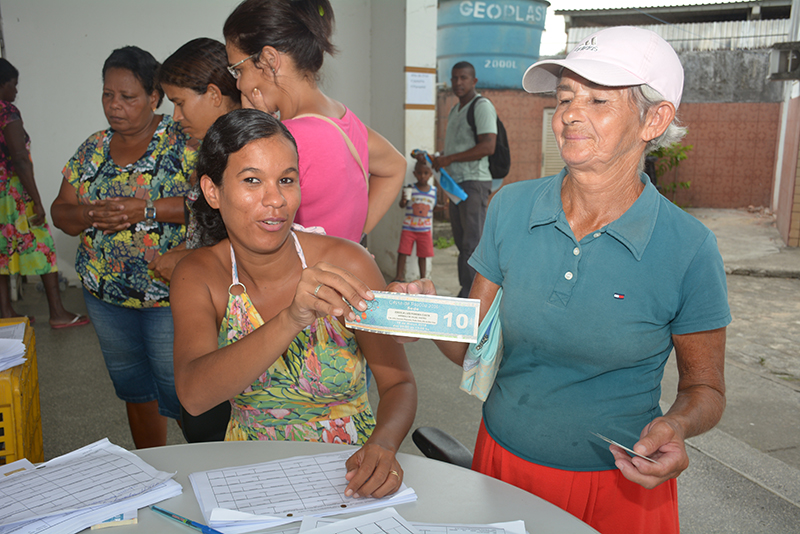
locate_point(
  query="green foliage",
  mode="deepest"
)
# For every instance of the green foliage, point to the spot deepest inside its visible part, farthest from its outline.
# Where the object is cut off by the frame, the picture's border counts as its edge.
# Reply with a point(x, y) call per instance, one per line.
point(443, 242)
point(669, 157)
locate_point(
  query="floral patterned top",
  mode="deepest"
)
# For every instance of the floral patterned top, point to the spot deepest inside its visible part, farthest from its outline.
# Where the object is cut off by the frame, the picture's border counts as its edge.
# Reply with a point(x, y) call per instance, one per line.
point(24, 249)
point(113, 267)
point(316, 391)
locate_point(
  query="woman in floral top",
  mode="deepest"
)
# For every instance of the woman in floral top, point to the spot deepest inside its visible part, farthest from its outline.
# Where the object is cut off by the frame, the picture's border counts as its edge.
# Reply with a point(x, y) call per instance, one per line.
point(123, 194)
point(26, 244)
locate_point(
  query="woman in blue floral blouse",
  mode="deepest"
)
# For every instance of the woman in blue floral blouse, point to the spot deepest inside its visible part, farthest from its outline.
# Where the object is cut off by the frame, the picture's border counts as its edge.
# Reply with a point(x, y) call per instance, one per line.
point(123, 193)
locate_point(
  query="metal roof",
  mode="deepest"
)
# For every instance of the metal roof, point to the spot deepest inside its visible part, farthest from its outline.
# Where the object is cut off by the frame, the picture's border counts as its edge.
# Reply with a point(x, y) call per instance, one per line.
point(718, 12)
point(726, 35)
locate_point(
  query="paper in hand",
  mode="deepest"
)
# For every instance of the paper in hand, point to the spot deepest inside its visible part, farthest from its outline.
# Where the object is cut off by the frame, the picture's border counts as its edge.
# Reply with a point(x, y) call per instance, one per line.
point(422, 316)
point(631, 451)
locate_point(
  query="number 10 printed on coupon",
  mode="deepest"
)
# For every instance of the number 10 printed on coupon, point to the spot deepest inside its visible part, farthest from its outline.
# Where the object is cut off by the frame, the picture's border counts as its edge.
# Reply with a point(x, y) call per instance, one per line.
point(423, 316)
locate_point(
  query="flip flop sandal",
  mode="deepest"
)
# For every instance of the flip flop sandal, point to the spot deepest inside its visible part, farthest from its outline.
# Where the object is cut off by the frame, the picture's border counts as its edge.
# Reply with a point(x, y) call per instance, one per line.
point(78, 320)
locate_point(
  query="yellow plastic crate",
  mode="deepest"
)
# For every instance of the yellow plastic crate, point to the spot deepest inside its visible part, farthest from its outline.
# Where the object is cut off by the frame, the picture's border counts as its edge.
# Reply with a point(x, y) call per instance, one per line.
point(20, 413)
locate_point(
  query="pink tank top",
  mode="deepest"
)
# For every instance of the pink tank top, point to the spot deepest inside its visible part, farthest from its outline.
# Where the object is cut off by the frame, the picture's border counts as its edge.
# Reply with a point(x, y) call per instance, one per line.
point(334, 192)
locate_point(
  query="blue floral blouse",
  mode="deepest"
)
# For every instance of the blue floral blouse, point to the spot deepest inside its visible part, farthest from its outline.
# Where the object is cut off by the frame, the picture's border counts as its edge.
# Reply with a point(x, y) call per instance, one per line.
point(113, 267)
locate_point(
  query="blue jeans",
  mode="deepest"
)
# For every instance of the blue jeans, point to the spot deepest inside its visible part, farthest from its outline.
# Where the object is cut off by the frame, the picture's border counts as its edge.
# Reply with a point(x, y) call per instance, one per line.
point(137, 348)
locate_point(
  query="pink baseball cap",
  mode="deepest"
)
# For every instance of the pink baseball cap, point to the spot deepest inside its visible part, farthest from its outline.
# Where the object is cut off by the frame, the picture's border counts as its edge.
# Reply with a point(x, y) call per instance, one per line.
point(615, 57)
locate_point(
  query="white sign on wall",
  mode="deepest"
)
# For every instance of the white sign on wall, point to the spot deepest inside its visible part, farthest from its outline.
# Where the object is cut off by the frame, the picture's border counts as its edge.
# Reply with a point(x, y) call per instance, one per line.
point(420, 88)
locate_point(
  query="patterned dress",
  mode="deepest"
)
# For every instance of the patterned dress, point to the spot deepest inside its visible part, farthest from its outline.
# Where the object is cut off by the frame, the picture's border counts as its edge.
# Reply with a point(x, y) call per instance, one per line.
point(24, 249)
point(316, 391)
point(113, 267)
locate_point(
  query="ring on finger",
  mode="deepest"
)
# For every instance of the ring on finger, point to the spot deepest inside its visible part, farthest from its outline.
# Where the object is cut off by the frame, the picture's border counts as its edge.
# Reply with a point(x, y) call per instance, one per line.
point(317, 290)
point(395, 473)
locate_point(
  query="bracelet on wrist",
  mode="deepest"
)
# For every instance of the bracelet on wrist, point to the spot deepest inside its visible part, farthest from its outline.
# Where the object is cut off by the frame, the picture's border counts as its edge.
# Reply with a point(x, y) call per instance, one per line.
point(149, 212)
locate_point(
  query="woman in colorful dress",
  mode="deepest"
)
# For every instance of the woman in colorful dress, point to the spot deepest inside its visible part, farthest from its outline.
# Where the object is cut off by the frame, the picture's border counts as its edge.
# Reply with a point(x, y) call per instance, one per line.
point(26, 244)
point(123, 193)
point(276, 49)
point(258, 316)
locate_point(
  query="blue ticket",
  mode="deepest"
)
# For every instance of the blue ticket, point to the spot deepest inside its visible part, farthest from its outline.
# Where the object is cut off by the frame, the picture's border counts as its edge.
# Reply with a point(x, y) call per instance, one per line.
point(424, 316)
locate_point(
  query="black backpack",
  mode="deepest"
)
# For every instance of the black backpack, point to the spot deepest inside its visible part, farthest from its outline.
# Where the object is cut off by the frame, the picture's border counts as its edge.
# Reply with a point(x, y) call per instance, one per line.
point(500, 161)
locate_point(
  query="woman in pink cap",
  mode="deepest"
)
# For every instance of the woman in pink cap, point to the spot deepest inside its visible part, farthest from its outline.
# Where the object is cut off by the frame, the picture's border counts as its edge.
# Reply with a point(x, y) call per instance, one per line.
point(602, 278)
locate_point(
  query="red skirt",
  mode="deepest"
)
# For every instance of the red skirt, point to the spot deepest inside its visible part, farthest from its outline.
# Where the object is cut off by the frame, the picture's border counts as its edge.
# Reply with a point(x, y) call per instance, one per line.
point(605, 500)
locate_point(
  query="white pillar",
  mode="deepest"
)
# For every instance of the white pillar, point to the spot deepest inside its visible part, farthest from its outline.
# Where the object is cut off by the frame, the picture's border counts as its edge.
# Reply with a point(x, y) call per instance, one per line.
point(790, 91)
point(415, 43)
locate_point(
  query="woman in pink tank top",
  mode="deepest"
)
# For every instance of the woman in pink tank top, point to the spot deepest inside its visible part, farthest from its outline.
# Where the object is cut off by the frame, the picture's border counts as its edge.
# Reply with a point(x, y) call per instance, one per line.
point(349, 174)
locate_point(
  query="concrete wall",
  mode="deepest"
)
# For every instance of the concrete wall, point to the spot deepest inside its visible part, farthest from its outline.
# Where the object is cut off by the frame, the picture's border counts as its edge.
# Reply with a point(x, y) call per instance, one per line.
point(728, 76)
point(59, 48)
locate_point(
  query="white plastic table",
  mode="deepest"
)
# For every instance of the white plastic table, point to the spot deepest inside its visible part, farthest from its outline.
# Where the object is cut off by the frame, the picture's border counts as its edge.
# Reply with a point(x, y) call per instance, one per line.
point(446, 493)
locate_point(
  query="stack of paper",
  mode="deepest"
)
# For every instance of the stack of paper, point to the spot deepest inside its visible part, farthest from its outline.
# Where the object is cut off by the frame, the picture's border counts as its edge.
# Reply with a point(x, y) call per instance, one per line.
point(12, 351)
point(77, 490)
point(389, 520)
point(257, 496)
point(13, 331)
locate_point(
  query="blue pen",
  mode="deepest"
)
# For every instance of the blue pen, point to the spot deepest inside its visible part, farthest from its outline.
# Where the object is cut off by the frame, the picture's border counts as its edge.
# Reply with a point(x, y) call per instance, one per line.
point(188, 522)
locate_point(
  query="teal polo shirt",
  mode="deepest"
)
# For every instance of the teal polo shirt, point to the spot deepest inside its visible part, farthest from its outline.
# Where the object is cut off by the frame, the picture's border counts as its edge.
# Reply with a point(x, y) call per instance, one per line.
point(588, 325)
